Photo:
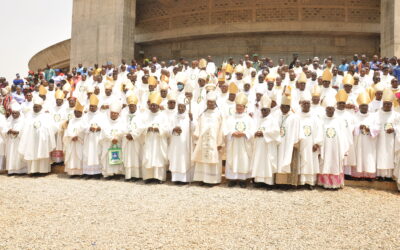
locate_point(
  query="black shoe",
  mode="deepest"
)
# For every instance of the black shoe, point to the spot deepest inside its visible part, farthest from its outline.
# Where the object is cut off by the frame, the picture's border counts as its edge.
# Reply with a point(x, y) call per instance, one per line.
point(258, 184)
point(135, 179)
point(232, 183)
point(243, 184)
point(311, 187)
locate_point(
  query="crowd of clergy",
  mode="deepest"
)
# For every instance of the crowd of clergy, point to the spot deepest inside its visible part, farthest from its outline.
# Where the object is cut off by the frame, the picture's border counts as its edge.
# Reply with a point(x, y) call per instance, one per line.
point(309, 123)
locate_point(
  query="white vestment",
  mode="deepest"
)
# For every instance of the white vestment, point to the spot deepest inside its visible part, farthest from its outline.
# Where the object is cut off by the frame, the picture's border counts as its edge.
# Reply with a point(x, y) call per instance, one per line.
point(73, 150)
point(239, 150)
point(91, 146)
point(15, 163)
point(155, 146)
point(37, 141)
point(264, 158)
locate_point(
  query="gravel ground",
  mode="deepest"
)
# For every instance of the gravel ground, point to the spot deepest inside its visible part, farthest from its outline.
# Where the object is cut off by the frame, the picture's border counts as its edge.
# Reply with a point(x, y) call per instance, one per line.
point(56, 212)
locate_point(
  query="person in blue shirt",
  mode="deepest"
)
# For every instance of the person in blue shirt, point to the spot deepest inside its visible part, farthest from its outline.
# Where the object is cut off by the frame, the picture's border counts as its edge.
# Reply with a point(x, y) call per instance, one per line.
point(374, 64)
point(355, 61)
point(396, 70)
point(18, 80)
point(344, 66)
point(18, 95)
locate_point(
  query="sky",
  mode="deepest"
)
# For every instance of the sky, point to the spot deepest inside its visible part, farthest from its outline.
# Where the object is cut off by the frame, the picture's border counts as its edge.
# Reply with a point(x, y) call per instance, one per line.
point(29, 26)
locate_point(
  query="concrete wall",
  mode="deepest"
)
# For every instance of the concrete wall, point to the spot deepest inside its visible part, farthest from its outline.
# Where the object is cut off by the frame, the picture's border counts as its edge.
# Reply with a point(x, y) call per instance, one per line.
point(102, 30)
point(57, 56)
point(390, 31)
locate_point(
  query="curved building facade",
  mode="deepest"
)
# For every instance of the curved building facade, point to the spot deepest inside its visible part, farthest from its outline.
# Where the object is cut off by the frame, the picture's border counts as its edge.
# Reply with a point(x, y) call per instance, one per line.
point(111, 30)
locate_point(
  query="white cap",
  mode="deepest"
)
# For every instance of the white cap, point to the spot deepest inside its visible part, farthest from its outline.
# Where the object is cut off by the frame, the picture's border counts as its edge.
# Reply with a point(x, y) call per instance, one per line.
point(38, 100)
point(116, 107)
point(305, 95)
point(181, 99)
point(90, 89)
point(211, 96)
point(203, 75)
point(15, 106)
point(189, 88)
point(260, 88)
point(180, 77)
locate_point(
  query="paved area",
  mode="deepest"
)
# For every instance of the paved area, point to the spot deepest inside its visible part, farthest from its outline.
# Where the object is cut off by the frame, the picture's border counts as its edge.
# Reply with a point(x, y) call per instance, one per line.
point(55, 212)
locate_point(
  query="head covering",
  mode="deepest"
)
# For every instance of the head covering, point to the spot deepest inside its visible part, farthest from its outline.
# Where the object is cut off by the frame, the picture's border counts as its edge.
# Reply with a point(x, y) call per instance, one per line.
point(379, 87)
point(181, 77)
point(239, 69)
point(286, 96)
point(329, 101)
point(229, 69)
point(108, 85)
point(189, 88)
point(363, 98)
point(305, 95)
point(94, 100)
point(202, 63)
point(327, 75)
point(388, 95)
point(132, 99)
point(164, 86)
point(342, 96)
point(270, 78)
point(60, 94)
point(210, 86)
point(38, 100)
point(241, 99)
point(155, 98)
point(15, 107)
point(90, 89)
point(152, 81)
point(260, 89)
point(203, 75)
point(181, 100)
point(172, 96)
point(302, 78)
point(42, 90)
point(79, 107)
point(67, 87)
point(4, 91)
point(233, 89)
point(348, 80)
point(316, 90)
point(211, 96)
point(164, 79)
point(116, 107)
point(221, 77)
point(266, 102)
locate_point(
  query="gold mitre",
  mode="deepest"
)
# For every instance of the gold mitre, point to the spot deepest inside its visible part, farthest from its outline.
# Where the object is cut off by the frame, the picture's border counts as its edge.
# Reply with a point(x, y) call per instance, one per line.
point(202, 63)
point(67, 87)
point(327, 75)
point(42, 90)
point(108, 85)
point(164, 86)
point(287, 96)
point(229, 69)
point(233, 89)
point(59, 94)
point(302, 78)
point(132, 99)
point(79, 107)
point(239, 69)
point(94, 100)
point(348, 80)
point(165, 79)
point(221, 77)
point(379, 87)
point(316, 90)
point(266, 102)
point(152, 81)
point(241, 99)
point(270, 78)
point(388, 95)
point(155, 98)
point(342, 96)
point(363, 98)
